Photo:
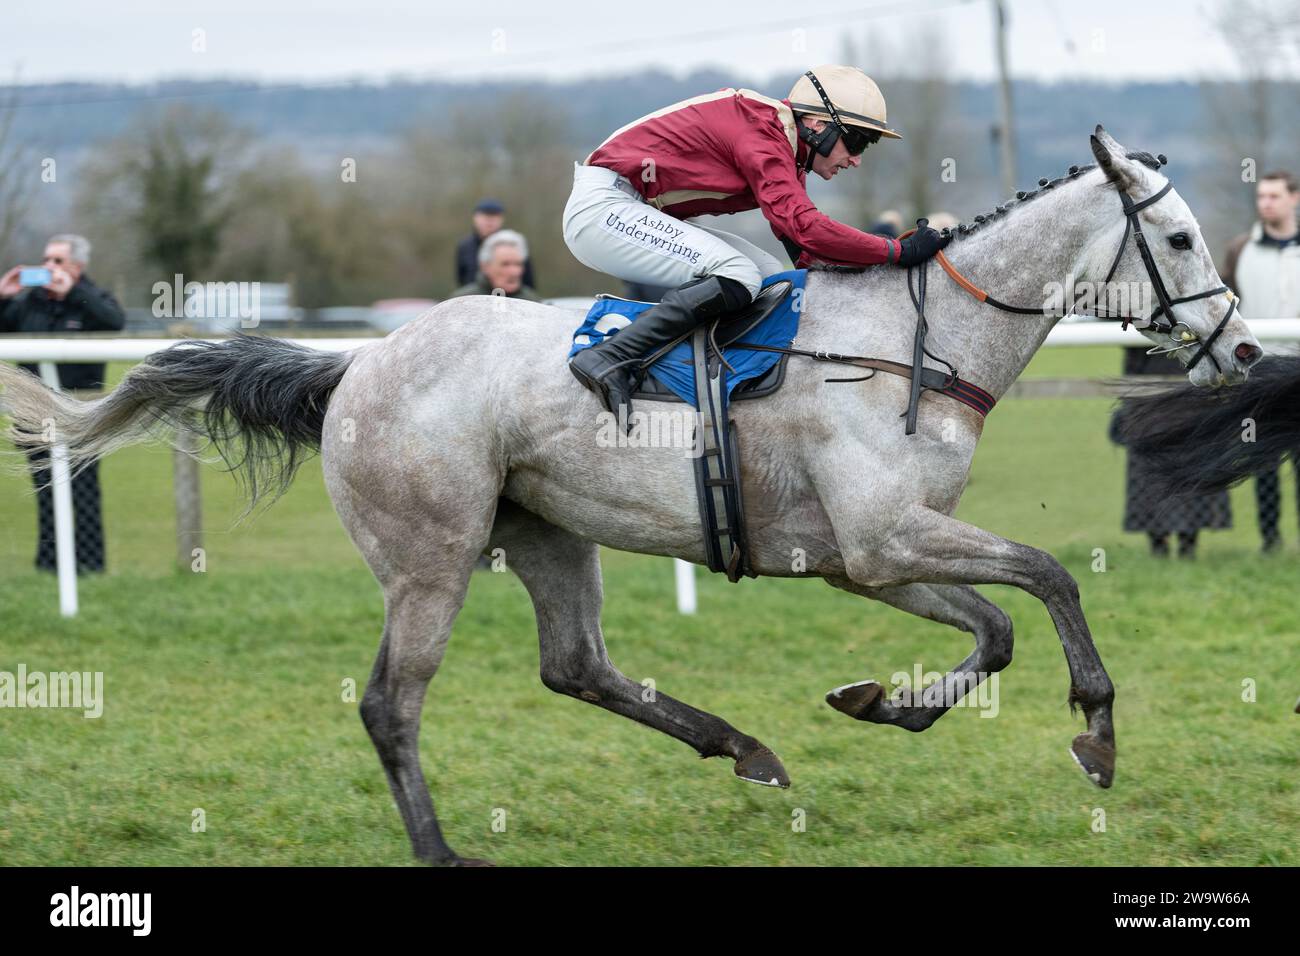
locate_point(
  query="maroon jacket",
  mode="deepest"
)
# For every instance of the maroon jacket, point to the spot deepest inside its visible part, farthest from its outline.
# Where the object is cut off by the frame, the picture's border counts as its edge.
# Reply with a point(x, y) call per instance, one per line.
point(727, 152)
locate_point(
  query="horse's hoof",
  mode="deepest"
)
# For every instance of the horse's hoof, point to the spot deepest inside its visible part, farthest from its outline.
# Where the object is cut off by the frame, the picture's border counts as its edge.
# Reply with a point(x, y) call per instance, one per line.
point(1095, 758)
point(763, 767)
point(471, 861)
point(855, 699)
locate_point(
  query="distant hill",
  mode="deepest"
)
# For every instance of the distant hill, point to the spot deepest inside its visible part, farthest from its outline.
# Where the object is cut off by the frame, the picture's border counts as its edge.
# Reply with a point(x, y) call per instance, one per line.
point(1052, 122)
point(1052, 119)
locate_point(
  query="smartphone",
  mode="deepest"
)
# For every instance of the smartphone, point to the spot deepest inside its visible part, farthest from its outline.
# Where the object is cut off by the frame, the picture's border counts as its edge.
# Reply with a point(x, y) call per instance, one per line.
point(34, 277)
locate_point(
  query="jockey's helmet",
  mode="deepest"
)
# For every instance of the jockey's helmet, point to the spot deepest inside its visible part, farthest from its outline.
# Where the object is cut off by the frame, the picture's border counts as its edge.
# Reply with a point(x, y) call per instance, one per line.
point(849, 101)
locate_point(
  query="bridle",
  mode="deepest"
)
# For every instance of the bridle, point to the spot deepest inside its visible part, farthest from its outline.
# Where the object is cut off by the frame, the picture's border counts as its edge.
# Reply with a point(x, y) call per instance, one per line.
point(1162, 319)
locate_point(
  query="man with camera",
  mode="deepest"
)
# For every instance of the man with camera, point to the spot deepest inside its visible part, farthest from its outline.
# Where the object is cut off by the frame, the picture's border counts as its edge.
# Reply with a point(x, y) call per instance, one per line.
point(58, 297)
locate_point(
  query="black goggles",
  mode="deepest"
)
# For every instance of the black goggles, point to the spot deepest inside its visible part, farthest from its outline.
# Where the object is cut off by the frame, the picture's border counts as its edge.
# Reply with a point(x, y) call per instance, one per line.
point(857, 140)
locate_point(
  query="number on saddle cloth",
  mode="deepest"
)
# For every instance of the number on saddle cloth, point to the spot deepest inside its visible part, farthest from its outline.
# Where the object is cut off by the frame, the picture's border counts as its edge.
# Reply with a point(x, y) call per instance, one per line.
point(675, 369)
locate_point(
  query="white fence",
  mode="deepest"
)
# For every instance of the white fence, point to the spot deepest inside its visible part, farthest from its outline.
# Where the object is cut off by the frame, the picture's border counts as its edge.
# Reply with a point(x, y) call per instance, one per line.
point(90, 348)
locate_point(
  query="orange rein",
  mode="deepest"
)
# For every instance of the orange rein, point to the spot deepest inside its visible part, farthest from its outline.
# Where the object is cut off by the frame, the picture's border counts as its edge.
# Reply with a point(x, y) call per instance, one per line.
point(956, 276)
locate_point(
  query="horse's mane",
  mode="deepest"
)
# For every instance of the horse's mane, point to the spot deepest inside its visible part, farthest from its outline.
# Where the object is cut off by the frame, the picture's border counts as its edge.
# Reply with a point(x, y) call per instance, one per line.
point(964, 230)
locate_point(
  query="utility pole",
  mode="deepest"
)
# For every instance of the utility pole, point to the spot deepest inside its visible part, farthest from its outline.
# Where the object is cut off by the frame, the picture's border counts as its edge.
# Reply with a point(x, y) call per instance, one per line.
point(1006, 133)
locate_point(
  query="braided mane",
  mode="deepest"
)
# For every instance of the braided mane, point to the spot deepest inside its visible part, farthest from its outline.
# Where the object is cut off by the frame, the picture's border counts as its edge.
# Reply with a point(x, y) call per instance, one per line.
point(965, 230)
point(1023, 196)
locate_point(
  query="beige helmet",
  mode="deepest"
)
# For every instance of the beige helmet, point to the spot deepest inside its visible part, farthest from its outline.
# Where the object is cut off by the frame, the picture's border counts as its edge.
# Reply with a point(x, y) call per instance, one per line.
point(845, 96)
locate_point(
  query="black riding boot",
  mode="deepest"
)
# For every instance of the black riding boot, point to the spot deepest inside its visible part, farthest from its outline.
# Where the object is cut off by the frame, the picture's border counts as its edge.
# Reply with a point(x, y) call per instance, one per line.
point(679, 311)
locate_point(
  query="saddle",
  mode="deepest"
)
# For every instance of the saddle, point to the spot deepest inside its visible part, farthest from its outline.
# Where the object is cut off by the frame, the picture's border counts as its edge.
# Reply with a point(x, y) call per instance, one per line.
point(725, 332)
point(742, 356)
point(716, 363)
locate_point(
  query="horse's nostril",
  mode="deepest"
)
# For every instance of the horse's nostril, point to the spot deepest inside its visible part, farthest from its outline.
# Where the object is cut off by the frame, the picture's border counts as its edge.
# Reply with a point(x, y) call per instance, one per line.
point(1248, 354)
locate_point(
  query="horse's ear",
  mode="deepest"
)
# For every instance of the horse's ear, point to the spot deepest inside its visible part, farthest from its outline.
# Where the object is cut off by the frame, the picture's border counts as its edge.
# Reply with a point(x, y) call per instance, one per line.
point(1109, 141)
point(1112, 162)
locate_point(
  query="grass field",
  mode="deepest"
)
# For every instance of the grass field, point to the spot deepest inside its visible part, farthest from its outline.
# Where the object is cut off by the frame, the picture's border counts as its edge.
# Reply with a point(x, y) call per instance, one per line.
point(224, 693)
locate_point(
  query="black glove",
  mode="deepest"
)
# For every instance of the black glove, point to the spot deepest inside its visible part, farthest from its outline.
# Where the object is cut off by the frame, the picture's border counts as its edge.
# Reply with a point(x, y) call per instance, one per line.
point(922, 244)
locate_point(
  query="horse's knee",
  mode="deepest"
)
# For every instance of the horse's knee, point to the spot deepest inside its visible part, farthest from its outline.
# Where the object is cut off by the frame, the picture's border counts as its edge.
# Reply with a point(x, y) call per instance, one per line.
point(1051, 581)
point(998, 638)
point(581, 679)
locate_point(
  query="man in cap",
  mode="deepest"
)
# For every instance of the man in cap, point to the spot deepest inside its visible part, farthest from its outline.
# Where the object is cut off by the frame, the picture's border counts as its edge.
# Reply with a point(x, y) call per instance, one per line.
point(723, 152)
point(489, 216)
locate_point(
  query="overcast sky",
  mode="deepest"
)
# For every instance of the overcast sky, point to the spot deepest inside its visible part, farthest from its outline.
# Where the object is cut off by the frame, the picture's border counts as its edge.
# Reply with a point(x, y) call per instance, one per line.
point(324, 40)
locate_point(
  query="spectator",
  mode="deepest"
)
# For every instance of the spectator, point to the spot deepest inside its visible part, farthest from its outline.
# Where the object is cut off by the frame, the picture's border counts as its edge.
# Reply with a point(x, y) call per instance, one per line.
point(68, 302)
point(942, 220)
point(889, 224)
point(1184, 517)
point(1263, 267)
point(501, 260)
point(489, 217)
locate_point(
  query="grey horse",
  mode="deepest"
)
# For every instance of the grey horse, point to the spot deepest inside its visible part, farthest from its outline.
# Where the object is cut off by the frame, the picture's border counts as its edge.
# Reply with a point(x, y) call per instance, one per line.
point(463, 432)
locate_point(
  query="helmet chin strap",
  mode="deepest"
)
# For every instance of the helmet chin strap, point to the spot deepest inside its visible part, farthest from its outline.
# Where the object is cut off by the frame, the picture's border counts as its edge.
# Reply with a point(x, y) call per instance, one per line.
point(822, 142)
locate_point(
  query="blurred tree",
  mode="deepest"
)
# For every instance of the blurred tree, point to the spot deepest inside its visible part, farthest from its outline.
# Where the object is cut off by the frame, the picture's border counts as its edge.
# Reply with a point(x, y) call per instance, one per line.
point(905, 174)
point(1252, 121)
point(518, 152)
point(16, 179)
point(169, 180)
point(327, 235)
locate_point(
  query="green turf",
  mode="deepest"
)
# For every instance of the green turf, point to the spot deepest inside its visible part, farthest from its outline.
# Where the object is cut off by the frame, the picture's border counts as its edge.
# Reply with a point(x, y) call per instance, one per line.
point(224, 692)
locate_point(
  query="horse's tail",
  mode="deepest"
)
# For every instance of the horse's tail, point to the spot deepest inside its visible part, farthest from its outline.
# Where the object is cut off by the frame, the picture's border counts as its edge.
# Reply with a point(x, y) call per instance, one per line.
point(1199, 440)
point(260, 401)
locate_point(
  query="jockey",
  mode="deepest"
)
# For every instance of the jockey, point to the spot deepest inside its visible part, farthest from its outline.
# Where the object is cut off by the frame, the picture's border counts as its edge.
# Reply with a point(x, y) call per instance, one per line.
point(633, 198)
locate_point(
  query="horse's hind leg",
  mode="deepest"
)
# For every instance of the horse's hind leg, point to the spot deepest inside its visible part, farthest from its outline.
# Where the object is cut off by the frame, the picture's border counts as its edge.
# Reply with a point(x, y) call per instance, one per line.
point(958, 605)
point(418, 614)
point(562, 574)
point(421, 541)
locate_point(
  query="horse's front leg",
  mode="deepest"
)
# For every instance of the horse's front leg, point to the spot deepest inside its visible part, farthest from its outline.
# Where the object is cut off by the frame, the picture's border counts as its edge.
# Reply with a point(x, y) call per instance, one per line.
point(960, 606)
point(924, 545)
point(562, 574)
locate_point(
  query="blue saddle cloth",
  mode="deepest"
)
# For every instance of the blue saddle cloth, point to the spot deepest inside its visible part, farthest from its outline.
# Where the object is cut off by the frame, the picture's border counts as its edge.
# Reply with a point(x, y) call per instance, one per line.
point(676, 370)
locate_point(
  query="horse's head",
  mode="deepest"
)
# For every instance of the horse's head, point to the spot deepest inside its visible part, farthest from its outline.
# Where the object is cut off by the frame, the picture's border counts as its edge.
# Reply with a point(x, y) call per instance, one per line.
point(1156, 246)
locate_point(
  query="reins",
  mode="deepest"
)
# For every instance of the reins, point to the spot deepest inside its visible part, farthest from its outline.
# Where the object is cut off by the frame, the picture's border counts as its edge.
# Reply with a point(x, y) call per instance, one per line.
point(1161, 319)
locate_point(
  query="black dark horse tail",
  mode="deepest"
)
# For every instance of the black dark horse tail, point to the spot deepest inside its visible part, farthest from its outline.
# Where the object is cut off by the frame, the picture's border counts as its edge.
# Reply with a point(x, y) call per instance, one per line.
point(1199, 440)
point(260, 401)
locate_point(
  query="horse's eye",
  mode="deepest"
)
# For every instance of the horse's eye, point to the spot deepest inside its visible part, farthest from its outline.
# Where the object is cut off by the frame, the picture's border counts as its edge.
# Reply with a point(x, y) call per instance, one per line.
point(1180, 240)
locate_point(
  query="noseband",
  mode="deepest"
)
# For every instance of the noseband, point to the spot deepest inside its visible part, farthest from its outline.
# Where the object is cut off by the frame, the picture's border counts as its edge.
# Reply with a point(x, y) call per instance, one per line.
point(1161, 320)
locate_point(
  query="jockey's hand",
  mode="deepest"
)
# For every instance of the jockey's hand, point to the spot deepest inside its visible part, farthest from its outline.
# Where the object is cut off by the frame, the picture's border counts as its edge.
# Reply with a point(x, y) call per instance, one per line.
point(921, 244)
